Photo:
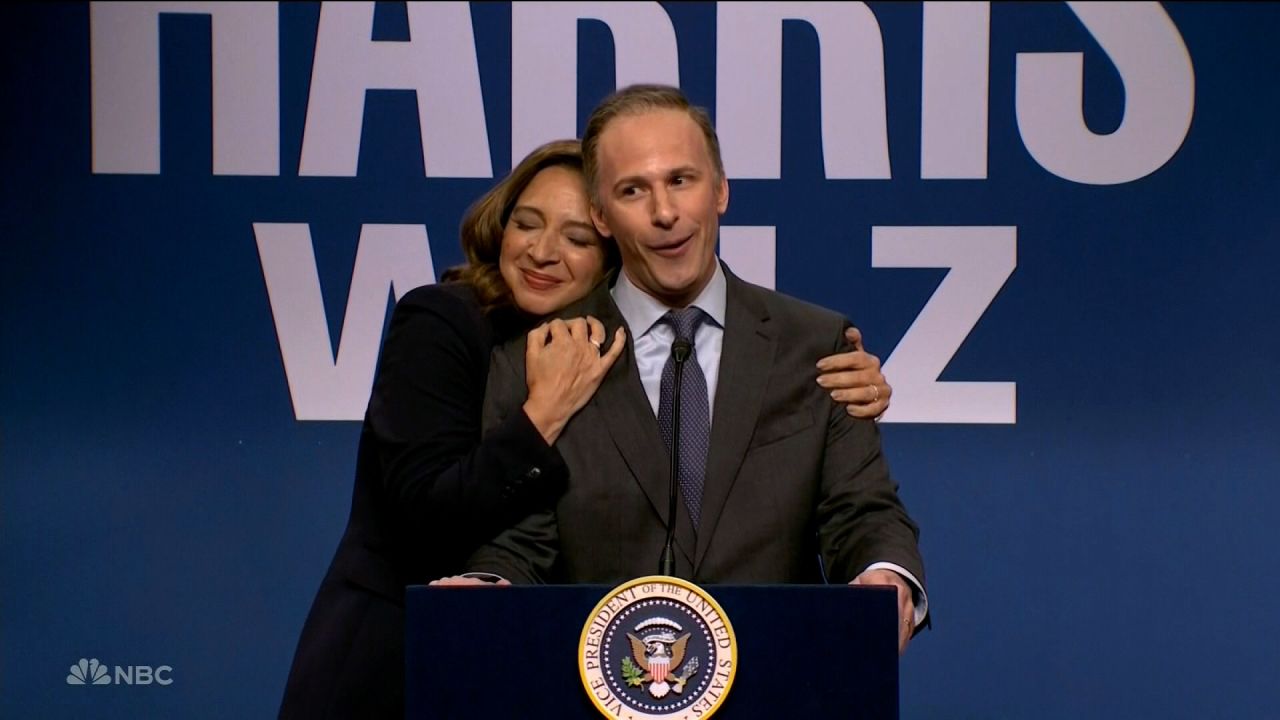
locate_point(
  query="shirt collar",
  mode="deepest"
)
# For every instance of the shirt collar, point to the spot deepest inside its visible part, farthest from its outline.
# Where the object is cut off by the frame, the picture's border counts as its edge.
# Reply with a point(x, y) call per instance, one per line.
point(641, 310)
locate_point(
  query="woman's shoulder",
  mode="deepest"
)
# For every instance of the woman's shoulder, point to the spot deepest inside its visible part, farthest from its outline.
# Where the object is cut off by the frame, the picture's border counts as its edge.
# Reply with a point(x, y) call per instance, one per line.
point(459, 305)
point(441, 311)
point(449, 297)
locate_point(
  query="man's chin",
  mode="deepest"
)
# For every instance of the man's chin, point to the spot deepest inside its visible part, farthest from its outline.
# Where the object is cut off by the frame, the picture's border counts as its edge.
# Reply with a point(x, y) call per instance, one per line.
point(678, 294)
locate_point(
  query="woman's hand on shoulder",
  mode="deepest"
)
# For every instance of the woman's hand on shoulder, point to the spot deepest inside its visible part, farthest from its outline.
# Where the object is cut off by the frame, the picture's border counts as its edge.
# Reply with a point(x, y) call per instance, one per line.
point(854, 379)
point(565, 362)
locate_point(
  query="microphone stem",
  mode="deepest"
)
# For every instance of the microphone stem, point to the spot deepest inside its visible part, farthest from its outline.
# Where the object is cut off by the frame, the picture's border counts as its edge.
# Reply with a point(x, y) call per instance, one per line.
point(667, 565)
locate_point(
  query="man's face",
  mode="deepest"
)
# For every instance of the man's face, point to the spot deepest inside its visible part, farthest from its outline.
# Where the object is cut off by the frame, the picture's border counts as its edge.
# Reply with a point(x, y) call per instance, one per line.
point(661, 198)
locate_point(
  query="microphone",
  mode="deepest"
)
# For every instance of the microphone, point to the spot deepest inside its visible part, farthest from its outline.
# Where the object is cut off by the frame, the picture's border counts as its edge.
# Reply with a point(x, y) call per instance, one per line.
point(680, 351)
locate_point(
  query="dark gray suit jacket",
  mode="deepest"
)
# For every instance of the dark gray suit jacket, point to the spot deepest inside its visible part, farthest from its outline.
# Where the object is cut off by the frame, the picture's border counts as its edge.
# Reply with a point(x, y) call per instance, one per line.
point(790, 476)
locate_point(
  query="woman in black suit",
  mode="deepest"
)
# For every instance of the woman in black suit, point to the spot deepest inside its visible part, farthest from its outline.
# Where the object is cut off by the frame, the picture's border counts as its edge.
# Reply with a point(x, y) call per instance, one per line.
point(429, 487)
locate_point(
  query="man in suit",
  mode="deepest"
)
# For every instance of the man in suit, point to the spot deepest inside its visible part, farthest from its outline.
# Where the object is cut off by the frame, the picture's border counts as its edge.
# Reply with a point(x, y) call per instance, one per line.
point(778, 484)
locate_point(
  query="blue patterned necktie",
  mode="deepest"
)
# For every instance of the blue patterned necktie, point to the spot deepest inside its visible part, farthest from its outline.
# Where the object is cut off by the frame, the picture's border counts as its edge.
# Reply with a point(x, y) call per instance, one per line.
point(695, 410)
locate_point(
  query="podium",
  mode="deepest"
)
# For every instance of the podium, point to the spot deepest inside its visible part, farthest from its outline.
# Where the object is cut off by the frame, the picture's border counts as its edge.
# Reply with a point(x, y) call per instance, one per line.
point(512, 651)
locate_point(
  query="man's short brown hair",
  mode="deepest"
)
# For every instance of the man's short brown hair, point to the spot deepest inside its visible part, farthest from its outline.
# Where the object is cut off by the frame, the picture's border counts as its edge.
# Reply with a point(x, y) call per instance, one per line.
point(637, 100)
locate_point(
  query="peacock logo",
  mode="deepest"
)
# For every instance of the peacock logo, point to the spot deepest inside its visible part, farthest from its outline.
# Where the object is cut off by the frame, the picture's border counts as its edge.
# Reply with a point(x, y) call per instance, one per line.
point(88, 672)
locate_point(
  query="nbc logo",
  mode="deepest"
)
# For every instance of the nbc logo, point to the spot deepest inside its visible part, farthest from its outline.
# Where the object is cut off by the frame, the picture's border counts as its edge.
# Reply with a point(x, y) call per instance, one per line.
point(88, 672)
point(91, 672)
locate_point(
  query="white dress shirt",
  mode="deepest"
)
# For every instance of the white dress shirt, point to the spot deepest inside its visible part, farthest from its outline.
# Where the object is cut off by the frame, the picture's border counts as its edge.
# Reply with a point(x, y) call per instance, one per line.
point(653, 339)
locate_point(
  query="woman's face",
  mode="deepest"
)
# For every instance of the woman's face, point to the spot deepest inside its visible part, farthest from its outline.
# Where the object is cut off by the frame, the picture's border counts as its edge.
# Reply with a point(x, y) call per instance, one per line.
point(551, 254)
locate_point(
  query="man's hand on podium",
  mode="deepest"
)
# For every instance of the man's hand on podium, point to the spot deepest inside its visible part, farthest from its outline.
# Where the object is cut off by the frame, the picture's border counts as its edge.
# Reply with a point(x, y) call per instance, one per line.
point(906, 607)
point(457, 580)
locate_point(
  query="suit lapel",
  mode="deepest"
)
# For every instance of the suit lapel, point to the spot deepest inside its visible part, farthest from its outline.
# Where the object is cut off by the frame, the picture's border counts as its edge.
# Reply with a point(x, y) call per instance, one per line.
point(622, 402)
point(746, 359)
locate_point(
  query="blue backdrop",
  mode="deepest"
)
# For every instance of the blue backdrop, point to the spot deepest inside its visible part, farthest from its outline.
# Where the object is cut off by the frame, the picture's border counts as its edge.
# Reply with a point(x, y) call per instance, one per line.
point(168, 504)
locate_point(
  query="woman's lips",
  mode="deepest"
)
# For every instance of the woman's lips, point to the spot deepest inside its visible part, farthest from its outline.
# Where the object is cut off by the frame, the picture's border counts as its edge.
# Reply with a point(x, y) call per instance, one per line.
point(538, 281)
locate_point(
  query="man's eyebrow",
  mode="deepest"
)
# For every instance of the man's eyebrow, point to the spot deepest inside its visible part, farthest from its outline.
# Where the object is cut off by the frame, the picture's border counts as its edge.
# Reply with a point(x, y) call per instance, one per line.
point(630, 180)
point(640, 179)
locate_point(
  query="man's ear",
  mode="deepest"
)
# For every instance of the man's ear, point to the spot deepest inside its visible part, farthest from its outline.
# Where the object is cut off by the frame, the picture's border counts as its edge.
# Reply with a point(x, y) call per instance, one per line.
point(722, 195)
point(597, 219)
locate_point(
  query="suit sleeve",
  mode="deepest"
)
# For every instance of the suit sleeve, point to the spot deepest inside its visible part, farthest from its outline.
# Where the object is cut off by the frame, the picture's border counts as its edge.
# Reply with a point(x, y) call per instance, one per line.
point(451, 489)
point(525, 552)
point(861, 520)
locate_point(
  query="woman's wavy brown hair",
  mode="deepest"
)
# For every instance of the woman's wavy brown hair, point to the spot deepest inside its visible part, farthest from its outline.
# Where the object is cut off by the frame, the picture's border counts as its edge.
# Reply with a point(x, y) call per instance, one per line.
point(482, 226)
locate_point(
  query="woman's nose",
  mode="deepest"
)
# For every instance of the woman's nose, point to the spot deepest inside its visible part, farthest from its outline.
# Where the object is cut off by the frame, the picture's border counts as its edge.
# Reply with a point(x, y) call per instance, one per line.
point(545, 248)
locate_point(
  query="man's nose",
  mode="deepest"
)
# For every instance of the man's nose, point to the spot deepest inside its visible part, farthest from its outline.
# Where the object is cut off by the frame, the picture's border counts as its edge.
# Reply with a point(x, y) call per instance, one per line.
point(663, 212)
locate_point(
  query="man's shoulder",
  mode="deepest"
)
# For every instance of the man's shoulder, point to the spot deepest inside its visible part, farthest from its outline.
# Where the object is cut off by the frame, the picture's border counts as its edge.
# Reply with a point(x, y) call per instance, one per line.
point(788, 313)
point(598, 303)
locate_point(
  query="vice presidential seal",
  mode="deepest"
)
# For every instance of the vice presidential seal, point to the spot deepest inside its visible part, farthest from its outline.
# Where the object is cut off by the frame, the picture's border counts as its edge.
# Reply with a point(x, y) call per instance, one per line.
point(657, 647)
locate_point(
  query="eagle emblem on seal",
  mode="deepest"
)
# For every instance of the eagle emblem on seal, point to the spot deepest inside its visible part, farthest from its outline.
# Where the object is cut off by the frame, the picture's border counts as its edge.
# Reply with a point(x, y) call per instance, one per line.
point(658, 650)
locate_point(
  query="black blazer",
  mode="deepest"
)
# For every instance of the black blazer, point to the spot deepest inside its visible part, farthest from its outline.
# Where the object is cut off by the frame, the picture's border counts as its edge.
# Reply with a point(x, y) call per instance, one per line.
point(428, 491)
point(790, 475)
